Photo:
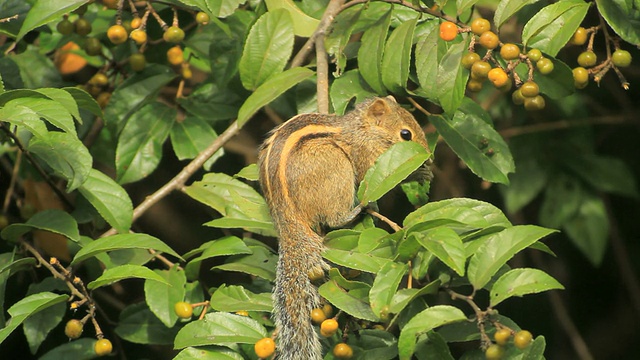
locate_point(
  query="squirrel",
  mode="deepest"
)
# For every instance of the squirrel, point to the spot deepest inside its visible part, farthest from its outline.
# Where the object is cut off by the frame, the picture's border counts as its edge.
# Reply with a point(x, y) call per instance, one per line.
point(309, 171)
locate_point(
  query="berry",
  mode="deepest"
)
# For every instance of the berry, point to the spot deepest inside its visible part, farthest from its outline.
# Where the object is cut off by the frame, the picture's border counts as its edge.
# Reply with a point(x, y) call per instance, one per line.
point(136, 22)
point(529, 89)
point(480, 69)
point(580, 77)
point(545, 66)
point(621, 58)
point(502, 336)
point(4, 222)
point(82, 26)
point(137, 62)
point(587, 59)
point(103, 347)
point(318, 316)
point(448, 31)
point(534, 55)
point(469, 59)
point(117, 34)
point(265, 347)
point(328, 310)
point(139, 36)
point(489, 40)
point(103, 99)
point(73, 329)
point(184, 310)
point(474, 85)
point(342, 351)
point(65, 27)
point(534, 103)
point(517, 97)
point(480, 26)
point(174, 55)
point(173, 35)
point(110, 4)
point(579, 37)
point(93, 46)
point(68, 62)
point(494, 352)
point(523, 338)
point(99, 79)
point(242, 313)
point(202, 18)
point(328, 327)
point(510, 51)
point(498, 77)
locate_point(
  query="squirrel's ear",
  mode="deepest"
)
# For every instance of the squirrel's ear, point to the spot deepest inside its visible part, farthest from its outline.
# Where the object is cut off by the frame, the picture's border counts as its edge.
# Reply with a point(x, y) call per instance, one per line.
point(391, 98)
point(378, 109)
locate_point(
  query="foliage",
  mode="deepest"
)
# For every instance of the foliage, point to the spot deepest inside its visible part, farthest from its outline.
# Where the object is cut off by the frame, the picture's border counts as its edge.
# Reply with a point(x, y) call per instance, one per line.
point(78, 147)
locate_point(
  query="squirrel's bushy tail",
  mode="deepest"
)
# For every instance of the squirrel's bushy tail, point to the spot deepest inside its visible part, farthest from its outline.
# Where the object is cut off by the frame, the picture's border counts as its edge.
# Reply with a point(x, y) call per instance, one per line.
point(294, 295)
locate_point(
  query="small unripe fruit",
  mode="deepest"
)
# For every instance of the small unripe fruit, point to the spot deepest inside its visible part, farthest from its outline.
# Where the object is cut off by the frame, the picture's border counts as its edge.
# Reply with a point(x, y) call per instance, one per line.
point(73, 329)
point(522, 339)
point(137, 62)
point(502, 336)
point(65, 27)
point(327, 309)
point(117, 34)
point(498, 77)
point(534, 103)
point(579, 37)
point(173, 35)
point(82, 26)
point(342, 351)
point(265, 347)
point(92, 46)
point(480, 69)
point(480, 26)
point(580, 77)
point(328, 327)
point(545, 66)
point(510, 51)
point(448, 31)
point(529, 89)
point(318, 316)
point(202, 18)
point(621, 58)
point(103, 99)
point(474, 85)
point(534, 55)
point(517, 97)
point(99, 79)
point(494, 352)
point(469, 59)
point(138, 36)
point(242, 313)
point(136, 22)
point(489, 40)
point(103, 347)
point(587, 59)
point(183, 309)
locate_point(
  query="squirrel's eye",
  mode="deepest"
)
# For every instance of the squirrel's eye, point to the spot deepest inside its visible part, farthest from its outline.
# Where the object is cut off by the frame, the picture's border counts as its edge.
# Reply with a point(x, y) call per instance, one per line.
point(405, 134)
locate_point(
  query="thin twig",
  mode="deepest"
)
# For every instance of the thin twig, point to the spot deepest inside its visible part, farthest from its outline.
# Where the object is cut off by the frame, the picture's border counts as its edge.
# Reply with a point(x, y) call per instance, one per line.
point(566, 124)
point(393, 225)
point(322, 71)
point(12, 183)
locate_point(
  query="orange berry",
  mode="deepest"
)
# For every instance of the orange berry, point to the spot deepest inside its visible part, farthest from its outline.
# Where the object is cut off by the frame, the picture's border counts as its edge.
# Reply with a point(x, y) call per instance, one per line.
point(136, 22)
point(117, 34)
point(448, 31)
point(139, 36)
point(342, 351)
point(175, 55)
point(265, 347)
point(489, 40)
point(68, 62)
point(480, 26)
point(498, 77)
point(329, 327)
point(318, 316)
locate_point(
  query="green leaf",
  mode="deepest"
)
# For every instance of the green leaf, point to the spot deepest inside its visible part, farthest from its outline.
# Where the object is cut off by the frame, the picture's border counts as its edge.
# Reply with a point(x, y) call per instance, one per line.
point(428, 53)
point(623, 17)
point(135, 92)
point(355, 260)
point(270, 90)
point(212, 103)
point(249, 172)
point(303, 24)
point(261, 262)
point(604, 173)
point(267, 48)
point(451, 78)
point(518, 282)
point(235, 298)
point(375, 345)
point(122, 241)
point(122, 272)
point(397, 57)
point(385, 286)
point(85, 100)
point(338, 38)
point(423, 322)
point(446, 245)
point(208, 353)
point(526, 182)
point(348, 86)
point(66, 155)
point(44, 12)
point(52, 220)
point(192, 136)
point(25, 118)
point(535, 351)
point(64, 99)
point(80, 349)
point(404, 297)
point(499, 248)
point(139, 325)
point(475, 214)
point(161, 297)
point(220, 329)
point(464, 5)
point(229, 245)
point(393, 166)
point(16, 265)
point(588, 229)
point(557, 85)
point(506, 9)
point(433, 347)
point(50, 110)
point(371, 52)
point(27, 307)
point(37, 327)
point(110, 200)
point(346, 302)
point(552, 27)
point(562, 198)
point(140, 144)
point(467, 133)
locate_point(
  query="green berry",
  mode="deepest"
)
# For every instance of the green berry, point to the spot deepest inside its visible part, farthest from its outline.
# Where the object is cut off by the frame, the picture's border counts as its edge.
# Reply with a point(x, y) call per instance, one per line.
point(534, 55)
point(621, 58)
point(545, 66)
point(587, 59)
point(65, 27)
point(522, 339)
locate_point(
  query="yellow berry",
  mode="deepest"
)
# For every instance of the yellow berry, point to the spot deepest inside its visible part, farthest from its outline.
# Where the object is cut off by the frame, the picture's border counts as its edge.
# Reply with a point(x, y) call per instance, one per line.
point(342, 351)
point(489, 40)
point(494, 352)
point(175, 56)
point(502, 336)
point(202, 18)
point(242, 313)
point(117, 34)
point(529, 89)
point(480, 26)
point(73, 329)
point(183, 309)
point(103, 347)
point(173, 35)
point(328, 327)
point(510, 51)
point(327, 309)
point(522, 339)
point(265, 347)
point(139, 36)
point(580, 77)
point(469, 59)
point(318, 316)
point(136, 22)
point(579, 37)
